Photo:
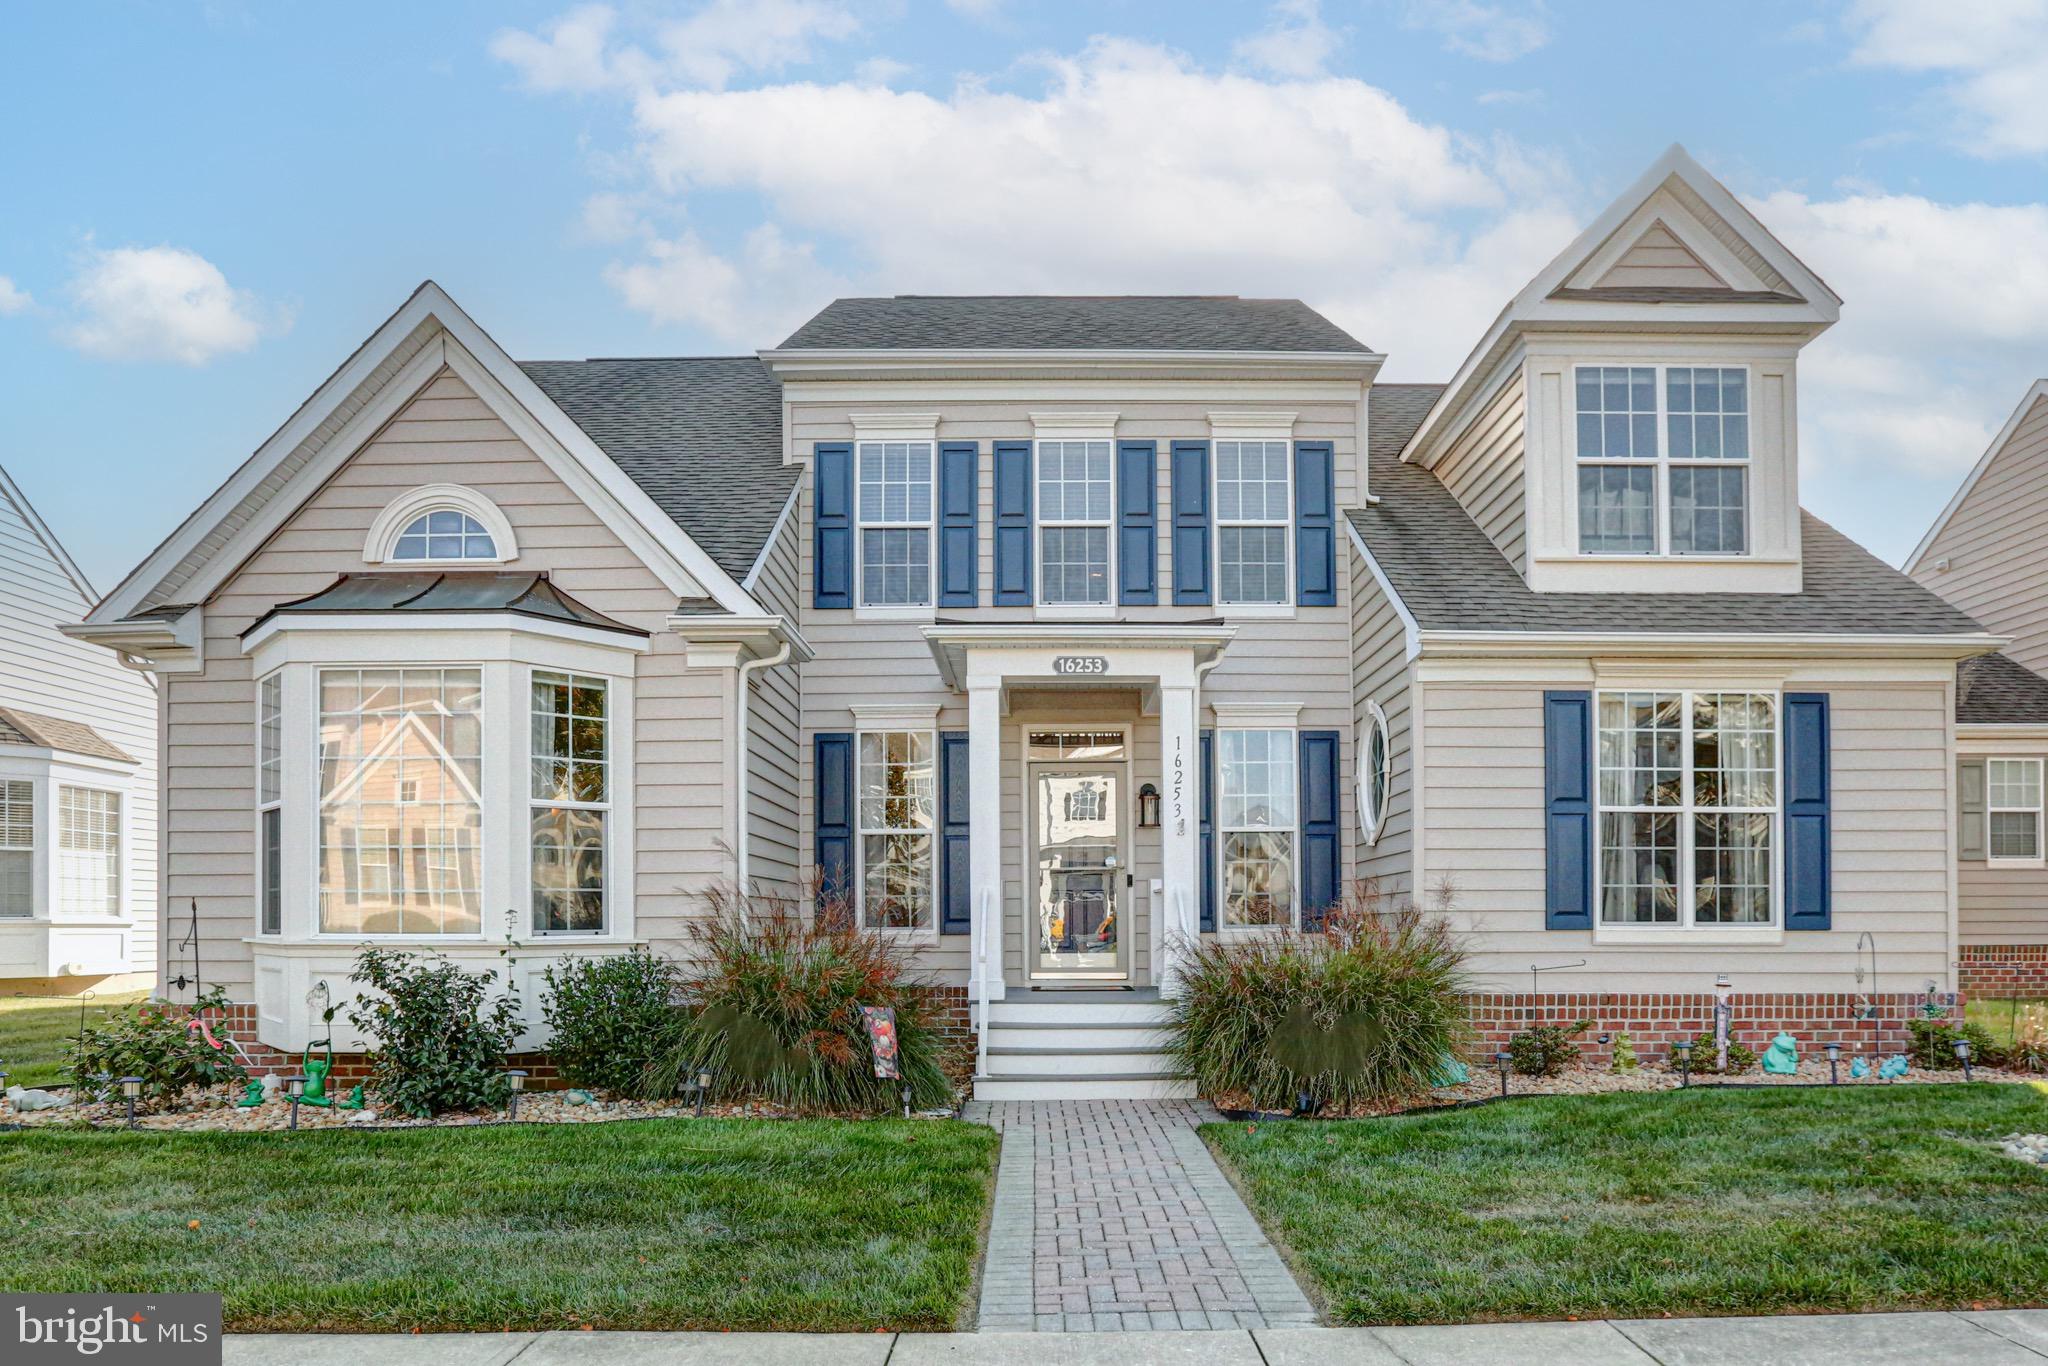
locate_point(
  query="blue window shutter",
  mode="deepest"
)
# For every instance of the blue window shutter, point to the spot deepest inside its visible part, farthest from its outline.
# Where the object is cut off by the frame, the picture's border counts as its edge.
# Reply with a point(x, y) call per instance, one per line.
point(1321, 855)
point(1190, 523)
point(1808, 841)
point(1568, 810)
point(1013, 524)
point(955, 915)
point(959, 494)
point(1137, 522)
point(833, 776)
point(1206, 801)
point(832, 526)
point(1315, 525)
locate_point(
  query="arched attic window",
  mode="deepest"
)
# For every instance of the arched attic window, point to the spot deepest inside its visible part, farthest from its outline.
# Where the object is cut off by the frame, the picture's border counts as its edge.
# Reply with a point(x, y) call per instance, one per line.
point(440, 524)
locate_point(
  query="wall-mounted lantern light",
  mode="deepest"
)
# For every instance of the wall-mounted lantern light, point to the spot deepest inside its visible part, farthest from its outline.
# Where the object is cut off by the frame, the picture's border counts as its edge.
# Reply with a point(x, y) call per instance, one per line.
point(1148, 807)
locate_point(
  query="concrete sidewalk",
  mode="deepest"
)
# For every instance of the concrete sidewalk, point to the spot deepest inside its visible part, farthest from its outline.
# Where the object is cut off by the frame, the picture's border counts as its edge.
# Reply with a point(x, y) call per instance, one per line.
point(1993, 1338)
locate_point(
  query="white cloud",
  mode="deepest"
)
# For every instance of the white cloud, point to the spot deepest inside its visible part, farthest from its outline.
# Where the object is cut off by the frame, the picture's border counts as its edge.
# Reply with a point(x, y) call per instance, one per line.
point(571, 55)
point(1994, 54)
point(1510, 97)
point(13, 298)
point(708, 47)
point(1297, 43)
point(1488, 32)
point(753, 300)
point(158, 303)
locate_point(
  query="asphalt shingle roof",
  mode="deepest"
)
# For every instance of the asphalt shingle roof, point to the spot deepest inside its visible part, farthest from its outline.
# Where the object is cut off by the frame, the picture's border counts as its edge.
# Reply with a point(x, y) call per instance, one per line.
point(1996, 690)
point(1452, 577)
point(1175, 322)
point(701, 434)
point(20, 727)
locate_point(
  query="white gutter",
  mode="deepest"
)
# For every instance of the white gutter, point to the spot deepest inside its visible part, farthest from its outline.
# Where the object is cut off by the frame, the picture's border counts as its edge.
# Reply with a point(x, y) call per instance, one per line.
point(740, 823)
point(1742, 645)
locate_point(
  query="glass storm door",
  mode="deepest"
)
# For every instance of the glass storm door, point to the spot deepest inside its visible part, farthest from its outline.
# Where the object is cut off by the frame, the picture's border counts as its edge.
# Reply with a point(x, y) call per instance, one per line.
point(1081, 870)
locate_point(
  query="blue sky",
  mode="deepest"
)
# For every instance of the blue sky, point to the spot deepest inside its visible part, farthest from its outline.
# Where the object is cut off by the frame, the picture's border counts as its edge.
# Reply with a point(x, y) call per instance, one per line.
point(204, 208)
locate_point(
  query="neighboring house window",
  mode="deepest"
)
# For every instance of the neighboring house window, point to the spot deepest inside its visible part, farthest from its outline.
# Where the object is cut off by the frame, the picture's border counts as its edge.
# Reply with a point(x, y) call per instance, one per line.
point(444, 534)
point(570, 800)
point(895, 497)
point(389, 865)
point(1663, 469)
point(898, 805)
point(1075, 504)
point(1688, 798)
point(2013, 788)
point(270, 802)
point(1253, 508)
point(88, 851)
point(1255, 817)
point(1375, 774)
point(17, 849)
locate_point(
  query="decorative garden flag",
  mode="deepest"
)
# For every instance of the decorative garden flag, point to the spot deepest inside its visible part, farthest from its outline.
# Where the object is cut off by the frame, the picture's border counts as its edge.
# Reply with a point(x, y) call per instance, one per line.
point(881, 1023)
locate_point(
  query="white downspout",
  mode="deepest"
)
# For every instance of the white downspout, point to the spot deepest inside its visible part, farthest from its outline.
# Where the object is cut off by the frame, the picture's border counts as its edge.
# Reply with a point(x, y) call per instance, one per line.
point(742, 820)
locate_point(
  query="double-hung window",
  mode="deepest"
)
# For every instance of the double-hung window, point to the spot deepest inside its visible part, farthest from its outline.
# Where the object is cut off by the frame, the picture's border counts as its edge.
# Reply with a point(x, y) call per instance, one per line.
point(1255, 823)
point(17, 849)
point(1075, 504)
point(898, 814)
point(88, 851)
point(1253, 508)
point(2013, 809)
point(1663, 459)
point(570, 799)
point(1688, 797)
point(894, 492)
point(270, 804)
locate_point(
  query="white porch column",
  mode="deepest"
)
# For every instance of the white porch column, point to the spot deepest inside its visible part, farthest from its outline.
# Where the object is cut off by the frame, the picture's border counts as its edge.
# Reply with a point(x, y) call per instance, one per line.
point(1181, 829)
point(985, 834)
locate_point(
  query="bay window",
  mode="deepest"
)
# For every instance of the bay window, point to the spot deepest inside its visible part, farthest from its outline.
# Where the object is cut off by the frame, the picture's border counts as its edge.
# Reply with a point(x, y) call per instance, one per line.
point(88, 851)
point(2013, 809)
point(1688, 809)
point(894, 490)
point(1663, 459)
point(1075, 504)
point(1255, 824)
point(17, 849)
point(270, 804)
point(898, 815)
point(1254, 504)
point(570, 797)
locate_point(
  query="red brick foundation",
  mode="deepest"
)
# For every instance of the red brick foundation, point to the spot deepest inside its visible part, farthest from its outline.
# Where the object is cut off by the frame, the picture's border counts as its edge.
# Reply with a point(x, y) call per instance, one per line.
point(2004, 970)
point(1654, 1022)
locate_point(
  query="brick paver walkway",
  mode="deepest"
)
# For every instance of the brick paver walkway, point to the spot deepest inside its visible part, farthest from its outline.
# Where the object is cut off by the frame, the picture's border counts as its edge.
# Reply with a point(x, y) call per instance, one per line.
point(1112, 1216)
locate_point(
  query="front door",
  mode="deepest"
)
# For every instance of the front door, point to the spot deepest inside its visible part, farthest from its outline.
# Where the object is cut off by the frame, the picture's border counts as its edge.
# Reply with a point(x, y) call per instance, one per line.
point(1079, 920)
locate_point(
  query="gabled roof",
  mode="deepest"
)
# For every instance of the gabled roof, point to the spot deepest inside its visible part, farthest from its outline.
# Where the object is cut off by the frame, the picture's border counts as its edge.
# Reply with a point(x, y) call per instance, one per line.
point(1132, 322)
point(18, 727)
point(701, 434)
point(2035, 392)
point(1997, 690)
point(1450, 576)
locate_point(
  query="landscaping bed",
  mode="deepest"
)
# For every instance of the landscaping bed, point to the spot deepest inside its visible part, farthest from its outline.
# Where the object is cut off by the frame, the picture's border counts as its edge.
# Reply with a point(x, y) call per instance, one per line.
point(1713, 1201)
point(811, 1225)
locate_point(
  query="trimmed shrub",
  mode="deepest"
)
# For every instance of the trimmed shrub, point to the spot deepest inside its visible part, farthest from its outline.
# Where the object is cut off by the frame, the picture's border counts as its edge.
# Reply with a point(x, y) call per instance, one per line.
point(1741, 1057)
point(773, 1011)
point(610, 1017)
point(440, 1035)
point(154, 1041)
point(1933, 1044)
point(1546, 1050)
point(1367, 1009)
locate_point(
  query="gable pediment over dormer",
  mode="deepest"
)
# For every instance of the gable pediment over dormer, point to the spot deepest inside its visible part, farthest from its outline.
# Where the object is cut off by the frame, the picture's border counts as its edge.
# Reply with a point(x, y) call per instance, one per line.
point(1674, 248)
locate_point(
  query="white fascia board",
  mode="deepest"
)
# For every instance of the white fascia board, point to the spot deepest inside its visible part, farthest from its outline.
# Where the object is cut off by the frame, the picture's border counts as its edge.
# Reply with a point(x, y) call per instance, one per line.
point(41, 531)
point(2035, 392)
point(1730, 645)
point(761, 634)
point(1990, 733)
point(410, 625)
point(1411, 633)
point(823, 362)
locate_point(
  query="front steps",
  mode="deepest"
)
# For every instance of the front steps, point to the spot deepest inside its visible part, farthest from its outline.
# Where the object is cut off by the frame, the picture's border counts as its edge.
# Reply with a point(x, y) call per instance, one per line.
point(1079, 1045)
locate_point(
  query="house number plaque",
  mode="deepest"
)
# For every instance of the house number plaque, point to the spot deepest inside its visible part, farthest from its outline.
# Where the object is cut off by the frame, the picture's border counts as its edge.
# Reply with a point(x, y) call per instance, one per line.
point(1080, 664)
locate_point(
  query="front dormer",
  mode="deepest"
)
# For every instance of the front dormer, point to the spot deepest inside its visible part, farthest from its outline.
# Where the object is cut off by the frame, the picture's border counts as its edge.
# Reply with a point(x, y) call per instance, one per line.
point(1629, 424)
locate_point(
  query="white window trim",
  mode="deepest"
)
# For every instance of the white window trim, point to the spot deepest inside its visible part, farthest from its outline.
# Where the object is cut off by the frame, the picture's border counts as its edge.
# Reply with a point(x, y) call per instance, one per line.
point(1661, 466)
point(122, 907)
point(877, 721)
point(37, 847)
point(264, 808)
point(1041, 524)
point(1283, 609)
point(1373, 823)
point(913, 434)
point(402, 511)
point(1224, 929)
point(607, 806)
point(1686, 931)
point(2040, 857)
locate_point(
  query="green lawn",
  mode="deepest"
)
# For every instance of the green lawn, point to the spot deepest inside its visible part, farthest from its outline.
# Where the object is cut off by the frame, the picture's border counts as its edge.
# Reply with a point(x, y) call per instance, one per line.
point(816, 1225)
point(1699, 1202)
point(1997, 1014)
point(35, 1030)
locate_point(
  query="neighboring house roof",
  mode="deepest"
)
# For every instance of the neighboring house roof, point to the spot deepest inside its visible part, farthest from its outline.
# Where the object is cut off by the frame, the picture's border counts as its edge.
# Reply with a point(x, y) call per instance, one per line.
point(701, 435)
point(18, 727)
point(1013, 322)
point(1450, 576)
point(1996, 690)
point(527, 595)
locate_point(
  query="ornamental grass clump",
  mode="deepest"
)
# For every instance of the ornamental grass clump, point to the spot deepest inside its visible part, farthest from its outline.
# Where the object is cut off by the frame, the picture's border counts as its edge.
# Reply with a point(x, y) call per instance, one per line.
point(773, 998)
point(1364, 1011)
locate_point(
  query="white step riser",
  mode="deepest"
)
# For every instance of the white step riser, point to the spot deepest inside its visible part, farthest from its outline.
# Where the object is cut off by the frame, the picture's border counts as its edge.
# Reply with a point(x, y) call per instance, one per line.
point(1030, 1012)
point(1075, 1036)
point(1081, 1088)
point(1079, 1064)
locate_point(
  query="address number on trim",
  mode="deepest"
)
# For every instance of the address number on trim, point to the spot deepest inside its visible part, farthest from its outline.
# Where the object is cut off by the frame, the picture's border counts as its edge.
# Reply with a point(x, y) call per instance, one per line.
point(1080, 664)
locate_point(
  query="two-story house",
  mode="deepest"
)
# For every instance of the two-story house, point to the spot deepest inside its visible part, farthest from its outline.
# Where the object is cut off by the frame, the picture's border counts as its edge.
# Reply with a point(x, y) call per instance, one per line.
point(1049, 633)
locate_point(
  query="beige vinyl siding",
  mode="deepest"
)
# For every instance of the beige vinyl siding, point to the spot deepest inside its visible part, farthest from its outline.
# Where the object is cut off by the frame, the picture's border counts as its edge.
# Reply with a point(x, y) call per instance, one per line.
point(1658, 258)
point(774, 723)
point(1996, 544)
point(1484, 471)
point(1484, 806)
point(43, 670)
point(2001, 903)
point(876, 663)
point(1380, 674)
point(445, 435)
